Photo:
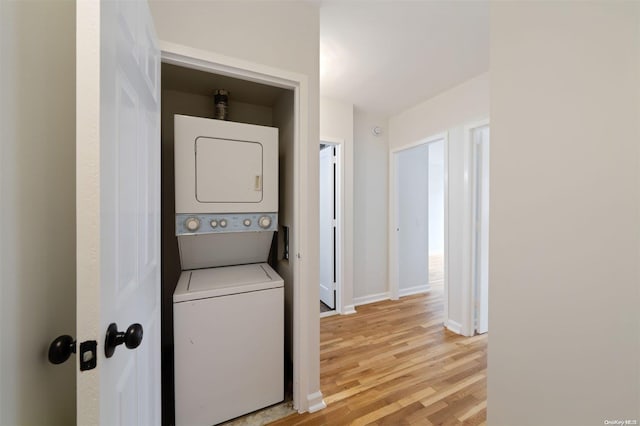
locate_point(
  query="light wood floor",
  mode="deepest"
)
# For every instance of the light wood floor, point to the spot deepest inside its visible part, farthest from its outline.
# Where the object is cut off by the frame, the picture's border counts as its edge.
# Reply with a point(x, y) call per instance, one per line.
point(393, 363)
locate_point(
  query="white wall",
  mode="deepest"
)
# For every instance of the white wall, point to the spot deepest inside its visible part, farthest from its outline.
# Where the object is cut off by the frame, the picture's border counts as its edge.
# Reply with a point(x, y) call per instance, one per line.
point(461, 104)
point(336, 124)
point(449, 112)
point(565, 219)
point(283, 35)
point(37, 213)
point(371, 186)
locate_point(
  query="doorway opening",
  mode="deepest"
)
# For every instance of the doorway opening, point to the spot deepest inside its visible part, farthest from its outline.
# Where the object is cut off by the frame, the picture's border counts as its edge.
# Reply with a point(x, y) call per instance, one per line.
point(419, 218)
point(330, 225)
point(260, 97)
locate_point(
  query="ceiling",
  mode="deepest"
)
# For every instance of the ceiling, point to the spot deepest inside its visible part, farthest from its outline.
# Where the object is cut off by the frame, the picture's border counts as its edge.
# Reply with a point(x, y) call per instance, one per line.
point(386, 56)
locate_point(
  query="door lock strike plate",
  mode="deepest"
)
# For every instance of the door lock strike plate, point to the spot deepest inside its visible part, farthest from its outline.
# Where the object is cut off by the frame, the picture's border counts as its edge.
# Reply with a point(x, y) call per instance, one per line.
point(88, 355)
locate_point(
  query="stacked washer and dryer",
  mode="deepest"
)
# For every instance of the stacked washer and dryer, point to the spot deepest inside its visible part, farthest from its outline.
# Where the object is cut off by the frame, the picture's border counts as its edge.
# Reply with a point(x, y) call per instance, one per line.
point(229, 303)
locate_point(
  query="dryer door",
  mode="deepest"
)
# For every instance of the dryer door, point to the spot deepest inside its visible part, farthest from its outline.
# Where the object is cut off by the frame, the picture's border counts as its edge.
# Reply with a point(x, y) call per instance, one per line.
point(228, 171)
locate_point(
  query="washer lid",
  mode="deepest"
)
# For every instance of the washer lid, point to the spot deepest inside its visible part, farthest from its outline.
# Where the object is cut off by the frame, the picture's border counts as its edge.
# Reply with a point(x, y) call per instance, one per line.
point(224, 281)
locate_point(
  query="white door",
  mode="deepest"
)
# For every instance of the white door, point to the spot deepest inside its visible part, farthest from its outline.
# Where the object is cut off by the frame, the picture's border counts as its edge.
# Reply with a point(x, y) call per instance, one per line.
point(118, 209)
point(327, 227)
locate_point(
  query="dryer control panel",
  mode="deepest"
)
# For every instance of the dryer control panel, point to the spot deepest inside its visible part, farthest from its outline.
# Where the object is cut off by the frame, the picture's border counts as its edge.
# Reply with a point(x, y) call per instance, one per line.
point(220, 223)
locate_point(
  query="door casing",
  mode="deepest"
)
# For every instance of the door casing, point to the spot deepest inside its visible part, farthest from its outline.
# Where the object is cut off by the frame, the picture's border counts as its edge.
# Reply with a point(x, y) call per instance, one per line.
point(468, 291)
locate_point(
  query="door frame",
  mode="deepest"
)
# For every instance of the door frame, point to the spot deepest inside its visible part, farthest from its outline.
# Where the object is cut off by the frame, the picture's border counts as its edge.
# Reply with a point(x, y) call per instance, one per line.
point(306, 351)
point(394, 272)
point(340, 230)
point(468, 291)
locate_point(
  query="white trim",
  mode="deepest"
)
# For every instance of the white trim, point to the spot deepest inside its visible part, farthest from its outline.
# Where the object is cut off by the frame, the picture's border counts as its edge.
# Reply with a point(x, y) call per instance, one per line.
point(414, 290)
point(394, 273)
point(88, 220)
point(430, 139)
point(372, 298)
point(306, 344)
point(203, 60)
point(392, 235)
point(349, 310)
point(328, 314)
point(468, 326)
point(446, 254)
point(453, 326)
point(315, 402)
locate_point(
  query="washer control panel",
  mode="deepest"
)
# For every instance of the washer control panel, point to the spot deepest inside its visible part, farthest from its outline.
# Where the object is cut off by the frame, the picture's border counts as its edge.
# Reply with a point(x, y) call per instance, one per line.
point(193, 224)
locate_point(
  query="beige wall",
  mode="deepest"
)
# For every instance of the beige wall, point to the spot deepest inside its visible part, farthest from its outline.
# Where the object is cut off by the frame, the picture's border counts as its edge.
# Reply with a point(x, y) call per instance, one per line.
point(565, 178)
point(461, 104)
point(371, 189)
point(37, 210)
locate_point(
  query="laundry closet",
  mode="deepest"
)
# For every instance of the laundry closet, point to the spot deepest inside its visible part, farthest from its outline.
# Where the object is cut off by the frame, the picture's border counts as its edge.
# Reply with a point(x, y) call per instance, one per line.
point(227, 207)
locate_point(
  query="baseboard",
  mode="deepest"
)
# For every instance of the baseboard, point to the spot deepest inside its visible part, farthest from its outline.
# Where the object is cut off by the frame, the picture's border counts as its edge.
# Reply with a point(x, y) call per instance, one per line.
point(414, 290)
point(315, 402)
point(453, 326)
point(328, 314)
point(372, 298)
point(348, 310)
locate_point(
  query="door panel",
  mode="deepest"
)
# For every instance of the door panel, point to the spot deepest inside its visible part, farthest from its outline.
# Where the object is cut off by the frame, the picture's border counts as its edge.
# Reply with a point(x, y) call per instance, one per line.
point(118, 208)
point(327, 233)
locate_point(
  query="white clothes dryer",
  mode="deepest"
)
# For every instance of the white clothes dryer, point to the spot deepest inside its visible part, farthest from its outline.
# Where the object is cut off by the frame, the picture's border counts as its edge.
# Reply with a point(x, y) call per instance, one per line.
point(229, 343)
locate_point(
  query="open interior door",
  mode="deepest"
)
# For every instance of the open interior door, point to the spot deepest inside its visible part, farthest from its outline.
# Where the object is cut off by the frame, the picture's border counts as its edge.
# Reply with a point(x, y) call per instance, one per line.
point(118, 213)
point(327, 227)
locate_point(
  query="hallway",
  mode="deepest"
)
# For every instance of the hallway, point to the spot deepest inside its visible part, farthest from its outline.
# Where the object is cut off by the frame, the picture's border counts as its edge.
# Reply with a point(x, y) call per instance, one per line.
point(394, 363)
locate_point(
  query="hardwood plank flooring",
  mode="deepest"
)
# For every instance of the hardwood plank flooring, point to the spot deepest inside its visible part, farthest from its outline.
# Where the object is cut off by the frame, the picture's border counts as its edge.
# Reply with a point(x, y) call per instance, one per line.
point(393, 363)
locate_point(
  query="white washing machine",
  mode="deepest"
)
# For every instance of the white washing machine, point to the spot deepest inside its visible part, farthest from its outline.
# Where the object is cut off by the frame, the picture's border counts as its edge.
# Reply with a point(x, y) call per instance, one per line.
point(229, 303)
point(229, 342)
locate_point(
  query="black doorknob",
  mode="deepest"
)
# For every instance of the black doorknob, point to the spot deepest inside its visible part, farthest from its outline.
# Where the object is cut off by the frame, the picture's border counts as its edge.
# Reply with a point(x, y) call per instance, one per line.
point(61, 349)
point(131, 338)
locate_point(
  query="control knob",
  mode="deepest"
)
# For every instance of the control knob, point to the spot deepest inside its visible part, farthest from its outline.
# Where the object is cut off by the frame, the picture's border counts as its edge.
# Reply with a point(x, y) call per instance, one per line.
point(223, 223)
point(264, 222)
point(192, 224)
point(214, 223)
point(247, 222)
